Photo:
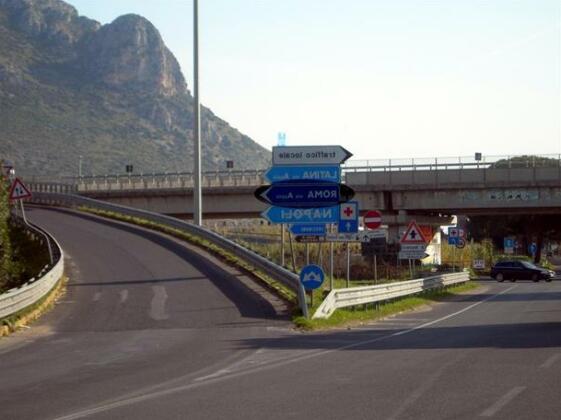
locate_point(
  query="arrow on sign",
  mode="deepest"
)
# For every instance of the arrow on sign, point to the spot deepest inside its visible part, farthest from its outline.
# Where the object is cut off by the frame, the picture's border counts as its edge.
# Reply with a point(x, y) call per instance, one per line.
point(304, 194)
point(310, 155)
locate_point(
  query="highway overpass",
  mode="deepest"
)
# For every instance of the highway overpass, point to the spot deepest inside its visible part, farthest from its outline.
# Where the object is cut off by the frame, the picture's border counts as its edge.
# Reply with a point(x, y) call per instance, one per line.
point(421, 189)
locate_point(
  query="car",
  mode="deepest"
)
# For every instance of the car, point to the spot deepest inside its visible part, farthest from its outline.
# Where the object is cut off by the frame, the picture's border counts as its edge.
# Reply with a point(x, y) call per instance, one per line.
point(520, 270)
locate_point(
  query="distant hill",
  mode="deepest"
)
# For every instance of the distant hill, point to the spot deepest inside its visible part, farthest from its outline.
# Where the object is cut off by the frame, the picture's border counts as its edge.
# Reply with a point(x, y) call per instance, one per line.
point(112, 93)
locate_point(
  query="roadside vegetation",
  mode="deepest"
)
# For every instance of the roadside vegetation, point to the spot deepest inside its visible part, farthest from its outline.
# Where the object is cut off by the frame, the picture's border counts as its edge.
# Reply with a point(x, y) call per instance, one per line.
point(21, 258)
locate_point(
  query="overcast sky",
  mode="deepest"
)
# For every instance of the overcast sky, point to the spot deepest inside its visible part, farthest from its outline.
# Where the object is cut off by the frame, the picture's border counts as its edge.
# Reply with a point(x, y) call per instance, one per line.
point(384, 78)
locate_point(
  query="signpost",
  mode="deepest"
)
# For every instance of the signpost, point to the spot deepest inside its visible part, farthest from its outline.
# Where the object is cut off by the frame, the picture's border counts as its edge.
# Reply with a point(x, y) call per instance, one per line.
point(311, 276)
point(306, 194)
point(413, 244)
point(319, 230)
point(19, 191)
point(331, 173)
point(373, 219)
point(305, 216)
point(508, 245)
point(364, 236)
point(309, 155)
point(348, 217)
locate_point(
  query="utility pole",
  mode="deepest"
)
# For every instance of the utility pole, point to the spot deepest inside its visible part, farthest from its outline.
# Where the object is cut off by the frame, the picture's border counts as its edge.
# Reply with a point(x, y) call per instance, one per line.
point(197, 190)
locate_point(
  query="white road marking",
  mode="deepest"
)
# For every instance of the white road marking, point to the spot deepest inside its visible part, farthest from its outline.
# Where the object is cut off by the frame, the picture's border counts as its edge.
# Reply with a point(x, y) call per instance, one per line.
point(96, 296)
point(159, 394)
point(158, 304)
point(124, 295)
point(425, 386)
point(504, 400)
point(550, 361)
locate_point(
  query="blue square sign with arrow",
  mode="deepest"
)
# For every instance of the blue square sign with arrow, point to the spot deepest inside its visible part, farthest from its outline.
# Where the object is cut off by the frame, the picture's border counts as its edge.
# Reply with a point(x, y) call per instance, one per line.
point(348, 217)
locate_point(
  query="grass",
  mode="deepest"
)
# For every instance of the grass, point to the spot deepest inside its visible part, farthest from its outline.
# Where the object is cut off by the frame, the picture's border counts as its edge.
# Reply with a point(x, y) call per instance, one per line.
point(367, 313)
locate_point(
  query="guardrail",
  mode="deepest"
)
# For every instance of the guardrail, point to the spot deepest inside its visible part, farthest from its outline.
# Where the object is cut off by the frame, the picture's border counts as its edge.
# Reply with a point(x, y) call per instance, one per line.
point(273, 270)
point(342, 298)
point(16, 299)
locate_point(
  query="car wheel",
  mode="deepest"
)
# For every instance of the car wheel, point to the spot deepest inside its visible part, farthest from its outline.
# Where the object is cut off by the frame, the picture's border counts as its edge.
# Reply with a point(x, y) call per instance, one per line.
point(500, 277)
point(512, 280)
point(535, 278)
point(548, 280)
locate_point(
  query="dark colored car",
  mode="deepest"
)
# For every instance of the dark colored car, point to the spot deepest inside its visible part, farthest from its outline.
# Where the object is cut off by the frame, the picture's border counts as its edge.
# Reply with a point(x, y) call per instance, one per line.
point(520, 270)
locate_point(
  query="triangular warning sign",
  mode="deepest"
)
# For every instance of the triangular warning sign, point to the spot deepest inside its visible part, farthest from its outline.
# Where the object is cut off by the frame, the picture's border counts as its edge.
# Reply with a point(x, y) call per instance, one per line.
point(19, 191)
point(413, 235)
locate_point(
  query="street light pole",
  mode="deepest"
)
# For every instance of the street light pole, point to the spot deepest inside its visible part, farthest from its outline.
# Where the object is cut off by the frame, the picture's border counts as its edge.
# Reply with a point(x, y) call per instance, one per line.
point(197, 191)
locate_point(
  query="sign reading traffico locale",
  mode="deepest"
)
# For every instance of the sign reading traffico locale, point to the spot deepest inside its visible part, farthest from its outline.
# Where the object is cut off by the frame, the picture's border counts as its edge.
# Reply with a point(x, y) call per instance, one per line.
point(310, 155)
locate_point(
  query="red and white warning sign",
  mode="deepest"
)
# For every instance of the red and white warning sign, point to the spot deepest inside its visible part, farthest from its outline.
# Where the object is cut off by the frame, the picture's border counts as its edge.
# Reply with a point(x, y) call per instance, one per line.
point(19, 191)
point(413, 235)
point(372, 219)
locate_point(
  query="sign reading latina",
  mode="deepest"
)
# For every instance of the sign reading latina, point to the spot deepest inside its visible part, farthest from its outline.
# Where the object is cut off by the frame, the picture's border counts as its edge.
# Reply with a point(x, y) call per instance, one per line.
point(306, 155)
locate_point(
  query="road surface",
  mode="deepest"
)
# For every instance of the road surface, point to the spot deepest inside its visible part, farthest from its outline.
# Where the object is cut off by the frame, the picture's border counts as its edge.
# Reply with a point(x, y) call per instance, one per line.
point(149, 330)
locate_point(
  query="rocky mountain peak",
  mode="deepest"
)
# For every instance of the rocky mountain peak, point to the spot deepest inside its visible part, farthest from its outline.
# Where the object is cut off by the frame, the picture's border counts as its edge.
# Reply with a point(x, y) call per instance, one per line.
point(130, 53)
point(53, 20)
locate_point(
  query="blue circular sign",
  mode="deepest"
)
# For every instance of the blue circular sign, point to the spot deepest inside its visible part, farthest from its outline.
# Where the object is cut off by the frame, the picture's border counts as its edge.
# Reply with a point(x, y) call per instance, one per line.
point(311, 276)
point(533, 248)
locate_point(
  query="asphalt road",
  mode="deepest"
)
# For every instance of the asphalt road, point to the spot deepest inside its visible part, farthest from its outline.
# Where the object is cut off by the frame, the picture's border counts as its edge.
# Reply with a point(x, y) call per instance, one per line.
point(207, 347)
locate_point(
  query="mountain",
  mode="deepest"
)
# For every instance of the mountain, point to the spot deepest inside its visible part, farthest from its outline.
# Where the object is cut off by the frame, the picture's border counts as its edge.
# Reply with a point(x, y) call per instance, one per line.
point(113, 94)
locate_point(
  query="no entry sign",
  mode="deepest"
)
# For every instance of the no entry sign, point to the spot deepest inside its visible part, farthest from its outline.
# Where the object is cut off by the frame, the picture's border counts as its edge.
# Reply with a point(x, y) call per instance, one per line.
point(372, 219)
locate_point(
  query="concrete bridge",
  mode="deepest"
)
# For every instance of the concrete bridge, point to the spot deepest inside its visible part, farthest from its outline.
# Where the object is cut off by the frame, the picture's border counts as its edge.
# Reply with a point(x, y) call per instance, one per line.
point(425, 189)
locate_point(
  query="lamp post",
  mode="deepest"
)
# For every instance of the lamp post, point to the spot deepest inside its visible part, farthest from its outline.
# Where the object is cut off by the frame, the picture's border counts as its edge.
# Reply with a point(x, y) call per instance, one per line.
point(197, 191)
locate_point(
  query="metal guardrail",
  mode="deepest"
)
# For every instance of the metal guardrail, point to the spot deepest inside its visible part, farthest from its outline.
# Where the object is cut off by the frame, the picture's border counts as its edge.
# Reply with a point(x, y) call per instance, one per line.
point(342, 298)
point(278, 273)
point(14, 300)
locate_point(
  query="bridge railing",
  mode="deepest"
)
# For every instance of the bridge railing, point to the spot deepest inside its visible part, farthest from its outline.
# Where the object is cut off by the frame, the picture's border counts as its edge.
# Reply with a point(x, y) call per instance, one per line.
point(455, 167)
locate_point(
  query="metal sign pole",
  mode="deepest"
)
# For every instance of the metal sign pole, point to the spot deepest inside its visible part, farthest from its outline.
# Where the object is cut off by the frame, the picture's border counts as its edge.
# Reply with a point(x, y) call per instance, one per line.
point(330, 266)
point(282, 244)
point(292, 252)
point(375, 269)
point(23, 212)
point(307, 253)
point(197, 188)
point(348, 264)
point(454, 258)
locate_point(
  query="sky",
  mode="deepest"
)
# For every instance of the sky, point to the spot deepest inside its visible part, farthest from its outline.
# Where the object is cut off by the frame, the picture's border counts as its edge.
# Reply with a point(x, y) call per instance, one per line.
point(383, 78)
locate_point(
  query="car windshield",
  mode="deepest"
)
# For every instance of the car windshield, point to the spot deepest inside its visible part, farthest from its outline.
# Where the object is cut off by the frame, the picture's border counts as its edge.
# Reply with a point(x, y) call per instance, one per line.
point(529, 265)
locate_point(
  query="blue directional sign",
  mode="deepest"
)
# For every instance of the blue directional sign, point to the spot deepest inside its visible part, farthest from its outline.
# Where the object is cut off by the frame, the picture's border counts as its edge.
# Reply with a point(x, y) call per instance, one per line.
point(348, 217)
point(308, 230)
point(453, 240)
point(330, 173)
point(533, 248)
point(302, 216)
point(303, 195)
point(311, 276)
